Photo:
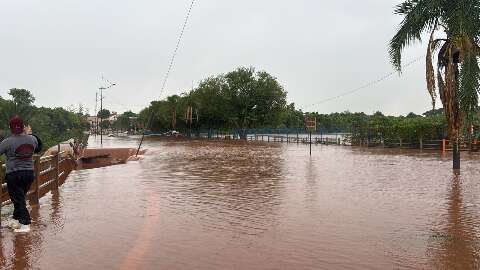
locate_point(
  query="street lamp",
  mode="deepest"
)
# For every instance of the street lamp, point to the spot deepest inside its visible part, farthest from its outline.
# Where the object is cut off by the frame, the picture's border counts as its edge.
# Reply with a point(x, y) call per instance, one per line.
point(101, 109)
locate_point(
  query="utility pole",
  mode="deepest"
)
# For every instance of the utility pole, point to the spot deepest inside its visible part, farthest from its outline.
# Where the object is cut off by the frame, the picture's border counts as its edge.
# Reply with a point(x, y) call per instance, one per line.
point(96, 114)
point(101, 115)
point(101, 109)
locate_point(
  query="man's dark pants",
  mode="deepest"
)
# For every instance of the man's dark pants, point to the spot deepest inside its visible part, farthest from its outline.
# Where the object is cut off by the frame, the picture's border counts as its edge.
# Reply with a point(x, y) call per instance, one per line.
point(18, 184)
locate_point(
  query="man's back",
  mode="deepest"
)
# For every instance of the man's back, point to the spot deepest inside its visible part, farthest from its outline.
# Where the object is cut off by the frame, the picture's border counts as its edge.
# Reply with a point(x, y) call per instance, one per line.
point(19, 150)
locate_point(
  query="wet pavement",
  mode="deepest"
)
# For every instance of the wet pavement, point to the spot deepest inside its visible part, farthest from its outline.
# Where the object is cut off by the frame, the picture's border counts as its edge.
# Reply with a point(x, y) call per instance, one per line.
point(233, 205)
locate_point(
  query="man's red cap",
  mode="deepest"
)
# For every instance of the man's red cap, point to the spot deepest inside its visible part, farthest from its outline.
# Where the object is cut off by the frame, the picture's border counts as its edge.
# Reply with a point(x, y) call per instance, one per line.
point(16, 125)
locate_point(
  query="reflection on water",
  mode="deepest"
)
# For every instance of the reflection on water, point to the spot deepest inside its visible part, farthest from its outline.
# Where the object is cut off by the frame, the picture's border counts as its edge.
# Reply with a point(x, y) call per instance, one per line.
point(456, 244)
point(235, 205)
point(19, 251)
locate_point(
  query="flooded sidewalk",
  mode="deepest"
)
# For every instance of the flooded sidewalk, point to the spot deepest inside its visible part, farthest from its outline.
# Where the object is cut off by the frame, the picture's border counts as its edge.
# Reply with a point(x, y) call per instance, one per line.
point(233, 205)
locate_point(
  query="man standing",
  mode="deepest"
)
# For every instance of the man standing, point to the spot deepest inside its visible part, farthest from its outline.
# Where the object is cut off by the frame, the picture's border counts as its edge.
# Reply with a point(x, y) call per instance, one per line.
point(19, 149)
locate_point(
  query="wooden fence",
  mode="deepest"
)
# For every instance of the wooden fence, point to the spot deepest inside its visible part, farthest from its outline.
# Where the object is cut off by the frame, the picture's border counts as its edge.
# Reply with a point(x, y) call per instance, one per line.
point(50, 173)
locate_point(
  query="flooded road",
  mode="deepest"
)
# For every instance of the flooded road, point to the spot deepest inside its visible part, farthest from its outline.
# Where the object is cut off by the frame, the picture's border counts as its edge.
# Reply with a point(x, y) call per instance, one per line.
point(231, 205)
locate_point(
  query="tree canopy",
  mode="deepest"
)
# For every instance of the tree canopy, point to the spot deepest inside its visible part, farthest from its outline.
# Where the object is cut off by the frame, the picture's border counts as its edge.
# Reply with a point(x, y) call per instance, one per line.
point(104, 113)
point(52, 125)
point(239, 99)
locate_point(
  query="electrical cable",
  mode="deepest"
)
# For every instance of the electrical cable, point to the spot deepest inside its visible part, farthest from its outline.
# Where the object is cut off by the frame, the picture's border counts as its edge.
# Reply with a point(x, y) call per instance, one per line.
point(367, 85)
point(170, 66)
point(177, 46)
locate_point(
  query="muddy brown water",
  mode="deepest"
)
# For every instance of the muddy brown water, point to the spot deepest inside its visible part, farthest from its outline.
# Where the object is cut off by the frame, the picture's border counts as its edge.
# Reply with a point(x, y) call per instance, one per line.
point(230, 205)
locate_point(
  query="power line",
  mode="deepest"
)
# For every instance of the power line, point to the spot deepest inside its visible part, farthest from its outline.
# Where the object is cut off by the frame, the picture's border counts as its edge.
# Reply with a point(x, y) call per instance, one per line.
point(367, 85)
point(115, 101)
point(172, 60)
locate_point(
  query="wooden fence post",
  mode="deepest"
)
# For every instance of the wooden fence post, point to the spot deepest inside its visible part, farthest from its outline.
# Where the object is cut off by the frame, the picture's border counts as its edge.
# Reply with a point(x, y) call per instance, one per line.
point(421, 143)
point(1, 193)
point(57, 168)
point(444, 145)
point(36, 184)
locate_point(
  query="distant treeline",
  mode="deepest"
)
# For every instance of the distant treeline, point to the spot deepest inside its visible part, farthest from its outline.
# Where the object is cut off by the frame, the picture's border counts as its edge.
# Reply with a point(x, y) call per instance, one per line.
point(52, 125)
point(245, 99)
point(430, 126)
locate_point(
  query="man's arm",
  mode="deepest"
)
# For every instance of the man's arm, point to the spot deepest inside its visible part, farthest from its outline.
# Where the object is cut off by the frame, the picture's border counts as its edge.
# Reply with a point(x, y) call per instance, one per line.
point(38, 145)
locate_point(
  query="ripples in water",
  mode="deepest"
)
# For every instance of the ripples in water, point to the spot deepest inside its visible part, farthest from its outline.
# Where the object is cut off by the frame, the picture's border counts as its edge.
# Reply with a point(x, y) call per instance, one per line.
point(233, 205)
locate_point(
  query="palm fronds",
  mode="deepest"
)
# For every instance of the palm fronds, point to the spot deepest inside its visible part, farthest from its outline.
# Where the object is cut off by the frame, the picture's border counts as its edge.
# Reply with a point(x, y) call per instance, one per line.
point(420, 15)
point(430, 73)
point(469, 84)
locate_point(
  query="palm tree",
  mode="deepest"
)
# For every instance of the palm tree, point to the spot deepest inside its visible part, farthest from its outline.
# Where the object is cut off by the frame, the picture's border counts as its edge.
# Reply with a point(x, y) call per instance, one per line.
point(458, 73)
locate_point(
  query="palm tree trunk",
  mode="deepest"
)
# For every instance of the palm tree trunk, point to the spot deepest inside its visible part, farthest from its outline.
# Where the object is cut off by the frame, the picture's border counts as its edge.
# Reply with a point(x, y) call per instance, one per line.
point(456, 155)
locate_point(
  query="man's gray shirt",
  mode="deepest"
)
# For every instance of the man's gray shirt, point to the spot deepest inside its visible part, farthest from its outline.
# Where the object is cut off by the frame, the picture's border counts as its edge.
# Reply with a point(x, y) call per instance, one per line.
point(19, 150)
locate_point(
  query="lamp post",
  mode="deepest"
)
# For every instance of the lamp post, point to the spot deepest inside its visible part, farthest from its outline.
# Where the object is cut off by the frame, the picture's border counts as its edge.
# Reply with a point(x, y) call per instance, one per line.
point(101, 109)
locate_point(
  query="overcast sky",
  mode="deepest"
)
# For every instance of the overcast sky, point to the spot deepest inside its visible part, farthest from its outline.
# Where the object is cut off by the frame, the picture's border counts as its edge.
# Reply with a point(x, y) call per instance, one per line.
point(59, 49)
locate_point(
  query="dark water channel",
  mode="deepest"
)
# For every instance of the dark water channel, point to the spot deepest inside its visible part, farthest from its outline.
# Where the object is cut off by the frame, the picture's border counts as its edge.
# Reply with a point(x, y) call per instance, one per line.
point(231, 205)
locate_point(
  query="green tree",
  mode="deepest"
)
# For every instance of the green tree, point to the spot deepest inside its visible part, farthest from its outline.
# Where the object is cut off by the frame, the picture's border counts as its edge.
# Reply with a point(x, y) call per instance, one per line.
point(256, 98)
point(211, 102)
point(172, 102)
point(239, 100)
point(22, 103)
point(124, 121)
point(103, 114)
point(293, 118)
point(105, 124)
point(21, 97)
point(458, 71)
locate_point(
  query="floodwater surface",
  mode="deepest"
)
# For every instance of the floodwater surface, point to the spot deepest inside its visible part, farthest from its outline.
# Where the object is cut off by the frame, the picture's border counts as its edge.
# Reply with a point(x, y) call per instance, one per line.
point(236, 205)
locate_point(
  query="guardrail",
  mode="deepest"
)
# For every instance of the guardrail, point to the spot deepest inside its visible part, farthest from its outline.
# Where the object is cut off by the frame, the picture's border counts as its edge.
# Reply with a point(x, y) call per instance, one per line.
point(50, 173)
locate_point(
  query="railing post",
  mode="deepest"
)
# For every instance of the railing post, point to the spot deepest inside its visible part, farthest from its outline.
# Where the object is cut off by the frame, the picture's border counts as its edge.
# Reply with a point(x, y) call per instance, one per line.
point(57, 168)
point(444, 145)
point(36, 184)
point(1, 195)
point(421, 143)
